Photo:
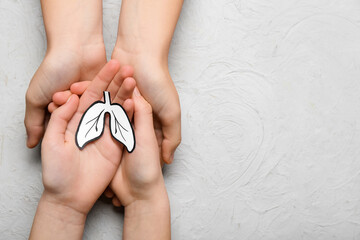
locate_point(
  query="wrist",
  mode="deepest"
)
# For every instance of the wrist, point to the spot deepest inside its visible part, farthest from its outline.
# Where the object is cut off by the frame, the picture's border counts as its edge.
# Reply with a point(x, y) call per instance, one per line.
point(76, 45)
point(60, 211)
point(150, 70)
point(79, 59)
point(140, 208)
point(136, 52)
point(147, 26)
point(71, 23)
point(54, 220)
point(141, 215)
point(153, 196)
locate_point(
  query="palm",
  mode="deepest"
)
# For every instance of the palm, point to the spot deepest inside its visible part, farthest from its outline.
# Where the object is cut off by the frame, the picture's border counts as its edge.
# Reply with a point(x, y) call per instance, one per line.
point(91, 168)
point(80, 176)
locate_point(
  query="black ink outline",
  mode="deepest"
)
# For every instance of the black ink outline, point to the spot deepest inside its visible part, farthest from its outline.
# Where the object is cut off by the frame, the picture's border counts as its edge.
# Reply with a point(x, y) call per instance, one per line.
point(116, 126)
point(95, 123)
point(132, 129)
point(94, 139)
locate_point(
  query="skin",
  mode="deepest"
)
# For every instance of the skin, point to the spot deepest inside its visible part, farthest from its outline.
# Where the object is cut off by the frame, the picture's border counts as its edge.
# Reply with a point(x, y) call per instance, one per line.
point(124, 92)
point(74, 179)
point(76, 53)
point(143, 41)
point(145, 31)
point(139, 184)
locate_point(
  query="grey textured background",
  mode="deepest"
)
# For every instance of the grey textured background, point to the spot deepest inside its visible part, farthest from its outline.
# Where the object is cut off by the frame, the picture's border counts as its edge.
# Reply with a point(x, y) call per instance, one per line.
point(270, 97)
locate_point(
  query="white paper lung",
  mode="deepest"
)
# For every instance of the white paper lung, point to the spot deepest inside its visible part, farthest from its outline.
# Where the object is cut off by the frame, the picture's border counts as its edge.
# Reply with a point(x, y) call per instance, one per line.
point(92, 124)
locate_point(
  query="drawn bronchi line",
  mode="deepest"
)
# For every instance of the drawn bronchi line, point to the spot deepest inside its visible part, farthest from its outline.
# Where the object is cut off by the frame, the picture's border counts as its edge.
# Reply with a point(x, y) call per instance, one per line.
point(92, 124)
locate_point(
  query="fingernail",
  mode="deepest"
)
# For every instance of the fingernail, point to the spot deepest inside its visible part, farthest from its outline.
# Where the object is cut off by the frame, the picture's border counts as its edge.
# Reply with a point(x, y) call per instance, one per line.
point(136, 92)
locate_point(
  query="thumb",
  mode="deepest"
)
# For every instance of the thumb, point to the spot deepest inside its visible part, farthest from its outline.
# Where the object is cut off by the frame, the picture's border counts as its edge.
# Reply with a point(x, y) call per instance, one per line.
point(34, 122)
point(170, 118)
point(59, 120)
point(172, 139)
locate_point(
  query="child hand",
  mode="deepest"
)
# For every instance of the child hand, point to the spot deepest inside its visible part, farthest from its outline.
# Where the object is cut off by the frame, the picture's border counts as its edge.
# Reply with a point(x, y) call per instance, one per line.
point(147, 142)
point(139, 172)
point(138, 182)
point(139, 176)
point(72, 177)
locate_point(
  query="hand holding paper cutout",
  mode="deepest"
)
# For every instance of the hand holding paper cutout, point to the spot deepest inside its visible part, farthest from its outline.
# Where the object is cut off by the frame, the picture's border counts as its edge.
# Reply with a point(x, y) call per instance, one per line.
point(138, 181)
point(92, 124)
point(139, 176)
point(76, 178)
point(139, 184)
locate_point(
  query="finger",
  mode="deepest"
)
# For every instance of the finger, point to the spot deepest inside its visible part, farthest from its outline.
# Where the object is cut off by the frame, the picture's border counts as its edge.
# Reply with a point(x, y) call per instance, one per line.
point(34, 123)
point(143, 119)
point(60, 98)
point(116, 202)
point(47, 118)
point(52, 107)
point(37, 99)
point(99, 84)
point(124, 72)
point(170, 119)
point(79, 88)
point(109, 193)
point(129, 108)
point(125, 91)
point(59, 120)
point(172, 139)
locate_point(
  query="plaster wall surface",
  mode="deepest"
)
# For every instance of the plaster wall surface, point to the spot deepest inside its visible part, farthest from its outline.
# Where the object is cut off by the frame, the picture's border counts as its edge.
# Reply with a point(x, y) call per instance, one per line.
point(270, 98)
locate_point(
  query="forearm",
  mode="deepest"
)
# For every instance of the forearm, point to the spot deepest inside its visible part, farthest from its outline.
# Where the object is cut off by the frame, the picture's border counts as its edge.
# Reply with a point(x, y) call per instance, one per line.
point(148, 219)
point(71, 22)
point(56, 221)
point(147, 26)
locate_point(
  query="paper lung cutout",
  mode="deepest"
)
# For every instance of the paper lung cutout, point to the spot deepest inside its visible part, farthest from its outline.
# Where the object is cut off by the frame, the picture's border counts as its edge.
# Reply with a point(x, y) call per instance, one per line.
point(92, 124)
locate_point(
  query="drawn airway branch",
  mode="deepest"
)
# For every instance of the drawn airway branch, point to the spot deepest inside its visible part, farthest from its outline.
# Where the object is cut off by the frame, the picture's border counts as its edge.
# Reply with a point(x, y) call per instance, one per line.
point(92, 124)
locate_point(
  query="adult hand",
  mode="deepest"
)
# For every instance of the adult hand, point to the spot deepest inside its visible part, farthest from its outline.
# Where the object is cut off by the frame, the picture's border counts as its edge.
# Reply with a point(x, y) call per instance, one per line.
point(59, 69)
point(75, 52)
point(145, 31)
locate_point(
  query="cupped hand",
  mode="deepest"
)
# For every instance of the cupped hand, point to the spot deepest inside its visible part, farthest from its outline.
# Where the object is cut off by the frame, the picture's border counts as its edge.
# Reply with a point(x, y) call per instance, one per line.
point(139, 172)
point(73, 177)
point(155, 84)
point(60, 68)
point(139, 176)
